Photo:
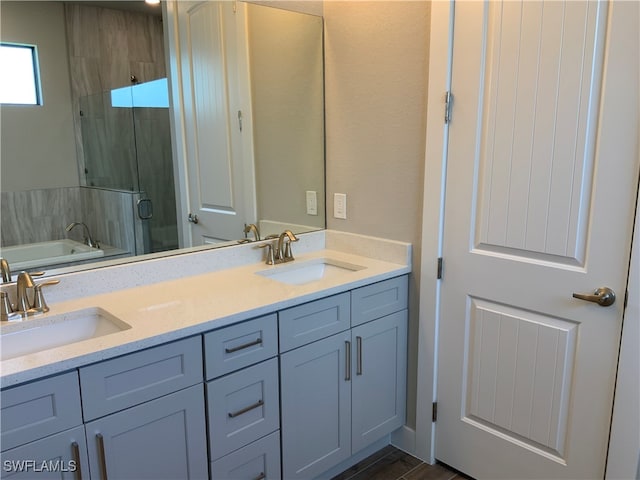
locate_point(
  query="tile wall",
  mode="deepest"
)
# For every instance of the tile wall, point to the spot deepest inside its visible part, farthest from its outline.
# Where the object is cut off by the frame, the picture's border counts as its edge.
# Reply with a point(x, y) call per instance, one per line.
point(40, 215)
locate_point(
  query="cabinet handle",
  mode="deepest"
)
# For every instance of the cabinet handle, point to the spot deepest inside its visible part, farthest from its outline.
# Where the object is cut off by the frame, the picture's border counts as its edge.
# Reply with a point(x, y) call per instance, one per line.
point(359, 360)
point(259, 403)
point(261, 476)
point(243, 346)
point(347, 368)
point(103, 457)
point(75, 452)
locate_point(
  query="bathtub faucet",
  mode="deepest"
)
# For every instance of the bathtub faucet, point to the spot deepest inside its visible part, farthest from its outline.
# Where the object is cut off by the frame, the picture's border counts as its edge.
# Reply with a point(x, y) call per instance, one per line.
point(87, 236)
point(6, 270)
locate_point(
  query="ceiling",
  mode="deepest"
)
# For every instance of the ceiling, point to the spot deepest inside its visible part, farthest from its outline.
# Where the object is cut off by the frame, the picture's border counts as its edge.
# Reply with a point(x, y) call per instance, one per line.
point(131, 5)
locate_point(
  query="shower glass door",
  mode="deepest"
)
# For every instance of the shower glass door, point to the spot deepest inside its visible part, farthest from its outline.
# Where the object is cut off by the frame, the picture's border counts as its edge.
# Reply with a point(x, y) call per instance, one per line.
point(126, 139)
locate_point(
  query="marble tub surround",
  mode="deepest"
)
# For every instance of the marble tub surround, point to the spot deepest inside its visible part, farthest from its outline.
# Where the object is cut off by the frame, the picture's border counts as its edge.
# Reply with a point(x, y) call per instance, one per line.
point(190, 294)
point(112, 218)
point(32, 216)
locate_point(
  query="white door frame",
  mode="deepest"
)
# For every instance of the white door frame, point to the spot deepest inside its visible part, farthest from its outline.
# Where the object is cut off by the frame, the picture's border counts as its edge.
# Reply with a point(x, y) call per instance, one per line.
point(440, 56)
point(623, 460)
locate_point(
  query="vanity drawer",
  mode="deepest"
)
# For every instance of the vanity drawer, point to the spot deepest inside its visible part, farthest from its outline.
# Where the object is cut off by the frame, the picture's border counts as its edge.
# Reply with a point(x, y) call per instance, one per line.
point(240, 345)
point(314, 320)
point(258, 460)
point(378, 300)
point(38, 409)
point(132, 379)
point(243, 407)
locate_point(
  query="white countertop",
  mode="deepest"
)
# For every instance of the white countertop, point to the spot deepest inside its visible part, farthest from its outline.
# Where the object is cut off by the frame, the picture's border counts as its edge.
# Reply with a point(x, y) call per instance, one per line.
point(162, 311)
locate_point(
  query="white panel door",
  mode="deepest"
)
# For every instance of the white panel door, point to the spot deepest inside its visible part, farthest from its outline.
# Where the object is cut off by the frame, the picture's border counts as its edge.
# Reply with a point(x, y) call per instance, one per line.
point(210, 46)
point(542, 174)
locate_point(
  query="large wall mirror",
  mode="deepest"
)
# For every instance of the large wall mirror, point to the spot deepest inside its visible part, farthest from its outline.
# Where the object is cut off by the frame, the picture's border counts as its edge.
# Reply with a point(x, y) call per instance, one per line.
point(159, 131)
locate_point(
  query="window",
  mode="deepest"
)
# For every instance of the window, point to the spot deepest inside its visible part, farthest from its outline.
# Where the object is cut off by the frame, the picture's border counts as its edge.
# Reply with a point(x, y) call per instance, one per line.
point(19, 82)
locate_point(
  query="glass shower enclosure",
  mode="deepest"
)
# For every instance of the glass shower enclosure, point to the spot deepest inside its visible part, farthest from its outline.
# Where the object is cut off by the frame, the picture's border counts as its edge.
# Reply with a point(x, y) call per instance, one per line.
point(126, 141)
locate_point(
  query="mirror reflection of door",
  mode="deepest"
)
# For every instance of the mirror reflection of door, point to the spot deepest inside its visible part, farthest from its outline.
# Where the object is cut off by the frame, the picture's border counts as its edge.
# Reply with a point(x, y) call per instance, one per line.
point(216, 163)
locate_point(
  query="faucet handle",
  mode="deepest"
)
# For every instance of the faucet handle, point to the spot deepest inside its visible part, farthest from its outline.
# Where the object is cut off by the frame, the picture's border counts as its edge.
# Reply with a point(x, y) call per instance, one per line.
point(6, 270)
point(269, 247)
point(7, 313)
point(38, 302)
point(288, 253)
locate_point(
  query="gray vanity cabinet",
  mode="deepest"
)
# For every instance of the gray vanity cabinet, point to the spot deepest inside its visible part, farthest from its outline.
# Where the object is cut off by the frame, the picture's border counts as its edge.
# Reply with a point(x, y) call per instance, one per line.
point(42, 433)
point(144, 414)
point(344, 392)
point(243, 400)
point(316, 407)
point(378, 387)
point(161, 439)
point(63, 455)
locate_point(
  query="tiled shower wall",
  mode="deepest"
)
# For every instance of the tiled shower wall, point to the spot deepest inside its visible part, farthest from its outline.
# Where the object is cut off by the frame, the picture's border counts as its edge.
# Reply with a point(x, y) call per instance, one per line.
point(40, 215)
point(106, 47)
point(122, 148)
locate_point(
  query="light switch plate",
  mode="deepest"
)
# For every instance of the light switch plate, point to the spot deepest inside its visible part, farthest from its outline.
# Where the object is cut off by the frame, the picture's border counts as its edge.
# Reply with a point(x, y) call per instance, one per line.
point(312, 202)
point(340, 205)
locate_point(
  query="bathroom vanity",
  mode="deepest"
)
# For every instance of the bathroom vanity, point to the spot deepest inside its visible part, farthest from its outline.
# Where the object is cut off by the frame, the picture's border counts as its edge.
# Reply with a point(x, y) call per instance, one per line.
point(247, 371)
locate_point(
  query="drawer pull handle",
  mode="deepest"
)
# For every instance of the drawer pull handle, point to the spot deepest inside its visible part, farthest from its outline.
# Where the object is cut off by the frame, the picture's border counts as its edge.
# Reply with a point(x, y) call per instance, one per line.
point(103, 457)
point(259, 403)
point(347, 363)
point(75, 449)
point(261, 476)
point(359, 361)
point(243, 346)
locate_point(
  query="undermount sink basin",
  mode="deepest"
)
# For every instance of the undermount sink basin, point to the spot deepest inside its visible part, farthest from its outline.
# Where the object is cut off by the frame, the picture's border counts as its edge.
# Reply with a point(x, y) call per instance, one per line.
point(299, 273)
point(37, 334)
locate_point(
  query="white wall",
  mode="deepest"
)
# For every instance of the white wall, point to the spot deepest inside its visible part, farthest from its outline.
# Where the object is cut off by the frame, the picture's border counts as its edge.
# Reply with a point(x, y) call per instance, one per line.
point(288, 113)
point(376, 56)
point(37, 147)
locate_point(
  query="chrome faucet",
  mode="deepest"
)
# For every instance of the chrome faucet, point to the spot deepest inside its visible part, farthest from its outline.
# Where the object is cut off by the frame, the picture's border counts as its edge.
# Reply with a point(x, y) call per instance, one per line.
point(6, 270)
point(87, 236)
point(252, 228)
point(283, 252)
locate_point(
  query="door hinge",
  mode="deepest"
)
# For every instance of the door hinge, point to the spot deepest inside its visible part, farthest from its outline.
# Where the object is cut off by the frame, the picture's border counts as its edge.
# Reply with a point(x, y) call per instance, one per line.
point(448, 100)
point(240, 119)
point(439, 272)
point(434, 411)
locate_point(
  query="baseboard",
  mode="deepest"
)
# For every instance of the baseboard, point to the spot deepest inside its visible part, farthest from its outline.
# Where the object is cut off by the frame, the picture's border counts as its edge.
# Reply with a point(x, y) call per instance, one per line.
point(358, 457)
point(404, 438)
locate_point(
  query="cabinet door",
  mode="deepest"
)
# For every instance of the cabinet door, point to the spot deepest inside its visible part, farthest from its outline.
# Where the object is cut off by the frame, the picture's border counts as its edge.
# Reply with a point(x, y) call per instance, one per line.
point(38, 409)
point(161, 439)
point(62, 456)
point(316, 407)
point(378, 390)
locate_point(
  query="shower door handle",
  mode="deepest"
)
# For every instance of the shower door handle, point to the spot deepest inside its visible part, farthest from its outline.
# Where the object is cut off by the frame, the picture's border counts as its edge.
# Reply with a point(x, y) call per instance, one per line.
point(145, 209)
point(193, 218)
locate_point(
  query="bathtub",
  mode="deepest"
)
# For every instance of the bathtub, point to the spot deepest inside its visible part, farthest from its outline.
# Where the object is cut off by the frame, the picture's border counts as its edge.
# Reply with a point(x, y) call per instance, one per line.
point(43, 254)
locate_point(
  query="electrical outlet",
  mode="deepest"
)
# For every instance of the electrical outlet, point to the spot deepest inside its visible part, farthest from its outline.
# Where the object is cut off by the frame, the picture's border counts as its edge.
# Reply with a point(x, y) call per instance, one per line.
point(340, 205)
point(312, 202)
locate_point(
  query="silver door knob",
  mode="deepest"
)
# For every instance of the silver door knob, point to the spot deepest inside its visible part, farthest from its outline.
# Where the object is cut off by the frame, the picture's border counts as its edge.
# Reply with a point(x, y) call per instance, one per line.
point(192, 218)
point(603, 296)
